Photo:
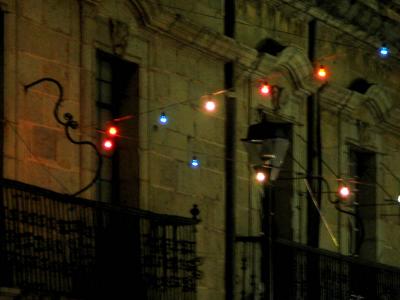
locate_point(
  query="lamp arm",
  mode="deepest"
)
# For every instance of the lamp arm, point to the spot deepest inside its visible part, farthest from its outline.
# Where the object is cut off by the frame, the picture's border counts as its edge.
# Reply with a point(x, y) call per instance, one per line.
point(69, 124)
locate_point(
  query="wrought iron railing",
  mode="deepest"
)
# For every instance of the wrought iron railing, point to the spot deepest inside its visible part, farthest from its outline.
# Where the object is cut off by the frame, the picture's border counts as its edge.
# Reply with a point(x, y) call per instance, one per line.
point(55, 244)
point(302, 273)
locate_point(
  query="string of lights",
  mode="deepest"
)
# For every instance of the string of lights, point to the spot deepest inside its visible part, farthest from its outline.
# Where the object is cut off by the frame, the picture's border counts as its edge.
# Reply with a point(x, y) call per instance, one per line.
point(265, 89)
point(210, 104)
point(113, 132)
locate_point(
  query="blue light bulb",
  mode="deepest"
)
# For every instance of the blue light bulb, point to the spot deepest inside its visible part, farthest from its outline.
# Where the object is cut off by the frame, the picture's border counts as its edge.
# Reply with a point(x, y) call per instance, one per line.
point(383, 51)
point(163, 119)
point(194, 163)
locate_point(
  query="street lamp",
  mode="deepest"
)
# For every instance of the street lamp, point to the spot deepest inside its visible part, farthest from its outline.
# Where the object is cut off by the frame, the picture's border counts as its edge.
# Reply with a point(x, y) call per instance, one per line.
point(267, 144)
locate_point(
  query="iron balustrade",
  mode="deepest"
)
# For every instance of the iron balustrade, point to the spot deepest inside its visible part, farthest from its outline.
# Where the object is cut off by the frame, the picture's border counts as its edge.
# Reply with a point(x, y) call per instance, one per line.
point(303, 273)
point(54, 244)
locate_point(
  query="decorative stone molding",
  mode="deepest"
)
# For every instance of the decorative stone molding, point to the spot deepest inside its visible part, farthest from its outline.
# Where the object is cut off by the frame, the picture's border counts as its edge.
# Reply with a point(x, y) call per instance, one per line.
point(298, 65)
point(90, 7)
point(119, 34)
point(378, 102)
point(374, 108)
point(335, 14)
point(364, 133)
point(337, 99)
point(5, 6)
point(199, 37)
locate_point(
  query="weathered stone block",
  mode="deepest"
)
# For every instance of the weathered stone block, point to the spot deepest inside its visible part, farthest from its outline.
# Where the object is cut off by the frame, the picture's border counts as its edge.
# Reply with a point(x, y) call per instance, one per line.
point(67, 154)
point(40, 40)
point(164, 54)
point(57, 15)
point(44, 142)
point(29, 69)
point(164, 171)
point(161, 87)
point(212, 184)
point(32, 9)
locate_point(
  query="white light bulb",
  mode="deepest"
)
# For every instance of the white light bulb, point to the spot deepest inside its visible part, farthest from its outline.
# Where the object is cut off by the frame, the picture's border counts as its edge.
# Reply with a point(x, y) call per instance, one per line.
point(260, 176)
point(210, 105)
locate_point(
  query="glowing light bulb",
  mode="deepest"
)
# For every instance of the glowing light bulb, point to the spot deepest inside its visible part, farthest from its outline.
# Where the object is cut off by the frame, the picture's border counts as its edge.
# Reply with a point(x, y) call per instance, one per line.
point(322, 72)
point(383, 51)
point(163, 119)
point(210, 105)
point(344, 192)
point(108, 144)
point(265, 89)
point(398, 199)
point(112, 131)
point(260, 176)
point(194, 163)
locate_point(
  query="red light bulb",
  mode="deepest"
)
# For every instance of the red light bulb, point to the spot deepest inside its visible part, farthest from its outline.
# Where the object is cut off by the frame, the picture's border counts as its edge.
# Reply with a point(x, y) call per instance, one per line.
point(265, 89)
point(108, 144)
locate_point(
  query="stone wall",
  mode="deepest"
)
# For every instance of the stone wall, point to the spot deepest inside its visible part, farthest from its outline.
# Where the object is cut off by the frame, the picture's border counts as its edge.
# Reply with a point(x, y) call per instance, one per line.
point(180, 51)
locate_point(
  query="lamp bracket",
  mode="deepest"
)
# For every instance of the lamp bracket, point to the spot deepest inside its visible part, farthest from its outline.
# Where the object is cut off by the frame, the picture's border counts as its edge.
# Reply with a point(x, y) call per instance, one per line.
point(69, 123)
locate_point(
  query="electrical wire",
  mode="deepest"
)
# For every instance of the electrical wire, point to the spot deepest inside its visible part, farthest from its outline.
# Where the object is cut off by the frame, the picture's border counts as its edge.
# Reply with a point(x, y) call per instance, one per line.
point(324, 221)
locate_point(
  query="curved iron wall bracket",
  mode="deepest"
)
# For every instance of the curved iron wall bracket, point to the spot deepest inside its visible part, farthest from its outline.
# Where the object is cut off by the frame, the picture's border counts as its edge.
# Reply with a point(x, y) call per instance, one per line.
point(69, 123)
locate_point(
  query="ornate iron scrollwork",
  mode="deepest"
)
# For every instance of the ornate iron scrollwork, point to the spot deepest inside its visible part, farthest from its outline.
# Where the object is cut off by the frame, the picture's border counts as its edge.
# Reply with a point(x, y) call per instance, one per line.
point(69, 123)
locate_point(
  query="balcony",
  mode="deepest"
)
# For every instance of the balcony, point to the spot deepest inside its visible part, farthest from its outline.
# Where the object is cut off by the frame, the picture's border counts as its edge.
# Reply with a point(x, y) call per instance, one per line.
point(302, 273)
point(56, 246)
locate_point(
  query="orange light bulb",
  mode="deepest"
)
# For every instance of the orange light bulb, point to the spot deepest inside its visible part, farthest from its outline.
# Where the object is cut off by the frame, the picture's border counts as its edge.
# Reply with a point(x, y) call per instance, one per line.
point(322, 72)
point(112, 131)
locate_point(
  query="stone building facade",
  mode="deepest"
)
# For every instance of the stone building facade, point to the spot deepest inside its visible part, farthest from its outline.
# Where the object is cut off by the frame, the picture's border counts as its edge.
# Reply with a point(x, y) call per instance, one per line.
point(136, 59)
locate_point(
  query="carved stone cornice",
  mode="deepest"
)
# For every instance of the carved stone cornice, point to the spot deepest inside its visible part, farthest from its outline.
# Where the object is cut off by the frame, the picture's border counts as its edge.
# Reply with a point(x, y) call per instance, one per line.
point(367, 24)
point(337, 99)
point(194, 35)
point(380, 113)
point(90, 8)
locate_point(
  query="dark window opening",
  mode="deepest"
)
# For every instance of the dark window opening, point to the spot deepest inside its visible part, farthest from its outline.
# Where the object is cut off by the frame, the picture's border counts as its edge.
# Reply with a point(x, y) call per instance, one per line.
point(117, 97)
point(270, 46)
point(360, 85)
point(363, 170)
